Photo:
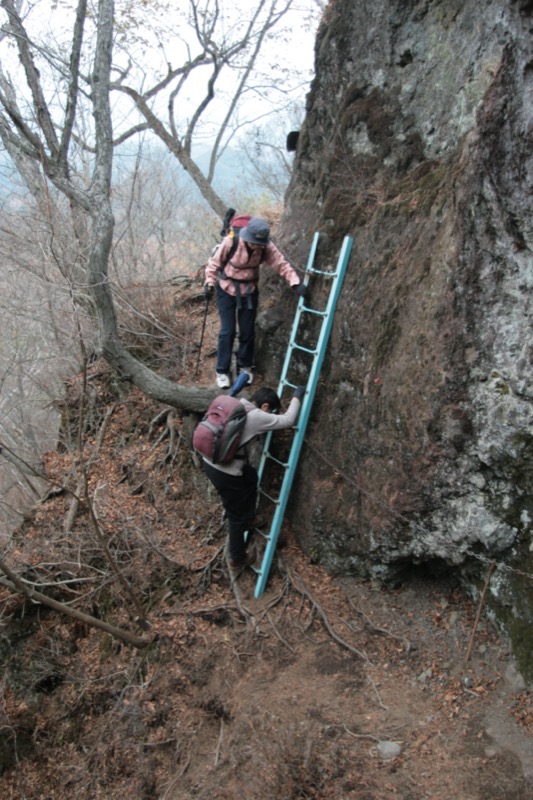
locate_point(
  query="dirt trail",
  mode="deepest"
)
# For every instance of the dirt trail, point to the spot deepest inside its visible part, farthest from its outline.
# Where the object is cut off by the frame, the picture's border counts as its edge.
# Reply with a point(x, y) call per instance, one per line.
point(292, 713)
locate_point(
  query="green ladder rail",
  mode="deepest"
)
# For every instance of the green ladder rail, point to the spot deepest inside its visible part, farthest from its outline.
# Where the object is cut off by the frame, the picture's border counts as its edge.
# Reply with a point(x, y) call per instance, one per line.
point(318, 352)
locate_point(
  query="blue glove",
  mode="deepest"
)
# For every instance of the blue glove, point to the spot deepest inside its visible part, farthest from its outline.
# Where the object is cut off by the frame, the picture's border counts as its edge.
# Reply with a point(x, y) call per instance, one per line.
point(240, 383)
point(301, 290)
point(299, 392)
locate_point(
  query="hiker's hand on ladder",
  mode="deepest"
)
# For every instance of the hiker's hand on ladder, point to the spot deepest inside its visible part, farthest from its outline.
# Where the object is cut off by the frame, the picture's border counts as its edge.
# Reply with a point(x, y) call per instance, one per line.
point(301, 290)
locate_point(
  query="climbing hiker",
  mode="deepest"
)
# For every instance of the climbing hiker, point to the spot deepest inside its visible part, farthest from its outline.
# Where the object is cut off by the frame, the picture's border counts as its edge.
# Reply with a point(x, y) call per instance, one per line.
point(236, 481)
point(234, 276)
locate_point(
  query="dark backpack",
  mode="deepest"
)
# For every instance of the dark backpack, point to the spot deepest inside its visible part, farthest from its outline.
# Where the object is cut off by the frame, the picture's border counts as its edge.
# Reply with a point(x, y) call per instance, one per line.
point(218, 435)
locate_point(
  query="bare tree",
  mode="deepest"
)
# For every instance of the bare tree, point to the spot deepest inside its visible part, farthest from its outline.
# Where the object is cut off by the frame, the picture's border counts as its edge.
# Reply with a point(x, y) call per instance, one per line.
point(39, 139)
point(214, 48)
point(43, 126)
point(36, 348)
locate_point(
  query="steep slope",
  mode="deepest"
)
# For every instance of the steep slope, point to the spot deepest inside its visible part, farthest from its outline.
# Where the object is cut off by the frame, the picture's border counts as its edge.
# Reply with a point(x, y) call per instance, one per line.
point(323, 688)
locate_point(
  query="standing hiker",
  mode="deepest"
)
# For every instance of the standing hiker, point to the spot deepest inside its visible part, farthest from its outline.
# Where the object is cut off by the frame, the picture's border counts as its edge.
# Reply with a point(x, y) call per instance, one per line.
point(235, 276)
point(236, 481)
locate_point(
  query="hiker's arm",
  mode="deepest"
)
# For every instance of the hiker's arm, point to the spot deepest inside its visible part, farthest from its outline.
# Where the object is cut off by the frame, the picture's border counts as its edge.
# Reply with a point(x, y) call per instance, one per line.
point(261, 422)
point(275, 259)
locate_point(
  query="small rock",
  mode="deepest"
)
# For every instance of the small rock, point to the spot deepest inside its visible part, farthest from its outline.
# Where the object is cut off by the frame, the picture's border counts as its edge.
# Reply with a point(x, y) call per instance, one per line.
point(389, 750)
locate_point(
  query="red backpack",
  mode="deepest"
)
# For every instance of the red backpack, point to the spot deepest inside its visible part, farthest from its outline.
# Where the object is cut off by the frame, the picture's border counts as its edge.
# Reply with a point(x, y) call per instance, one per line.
point(218, 435)
point(235, 227)
point(232, 226)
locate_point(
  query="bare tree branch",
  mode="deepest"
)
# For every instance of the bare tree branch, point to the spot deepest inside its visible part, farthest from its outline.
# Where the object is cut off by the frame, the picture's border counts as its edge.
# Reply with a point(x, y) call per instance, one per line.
point(218, 55)
point(272, 19)
point(14, 582)
point(32, 76)
point(176, 148)
point(72, 94)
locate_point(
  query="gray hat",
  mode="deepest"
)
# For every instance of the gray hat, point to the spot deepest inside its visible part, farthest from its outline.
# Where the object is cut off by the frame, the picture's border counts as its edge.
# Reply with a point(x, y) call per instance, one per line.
point(256, 232)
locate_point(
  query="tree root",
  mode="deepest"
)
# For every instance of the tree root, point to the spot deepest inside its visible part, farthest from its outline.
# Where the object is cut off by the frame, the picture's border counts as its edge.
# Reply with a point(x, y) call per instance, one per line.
point(300, 587)
point(383, 631)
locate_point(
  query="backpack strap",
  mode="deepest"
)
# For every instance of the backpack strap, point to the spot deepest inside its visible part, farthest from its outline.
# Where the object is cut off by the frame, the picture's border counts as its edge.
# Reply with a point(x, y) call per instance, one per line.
point(236, 282)
point(235, 226)
point(232, 251)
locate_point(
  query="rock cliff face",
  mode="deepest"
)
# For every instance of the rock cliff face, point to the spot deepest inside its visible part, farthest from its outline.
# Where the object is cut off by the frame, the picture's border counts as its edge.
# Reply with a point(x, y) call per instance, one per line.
point(418, 142)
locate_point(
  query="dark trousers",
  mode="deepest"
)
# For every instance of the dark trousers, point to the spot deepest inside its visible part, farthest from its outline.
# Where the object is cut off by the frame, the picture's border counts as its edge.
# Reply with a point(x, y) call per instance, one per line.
point(239, 495)
point(235, 311)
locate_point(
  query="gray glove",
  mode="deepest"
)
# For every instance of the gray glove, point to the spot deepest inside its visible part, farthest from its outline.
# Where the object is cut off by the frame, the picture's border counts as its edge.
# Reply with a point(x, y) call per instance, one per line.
point(301, 290)
point(299, 392)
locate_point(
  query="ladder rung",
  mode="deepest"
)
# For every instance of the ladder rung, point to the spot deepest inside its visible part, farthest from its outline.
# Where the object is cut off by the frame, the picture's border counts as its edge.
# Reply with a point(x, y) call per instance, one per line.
point(268, 497)
point(315, 311)
point(281, 463)
point(304, 349)
point(325, 273)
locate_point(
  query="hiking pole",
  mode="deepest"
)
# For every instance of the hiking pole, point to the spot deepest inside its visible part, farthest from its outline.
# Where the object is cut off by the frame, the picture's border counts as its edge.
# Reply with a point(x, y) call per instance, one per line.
point(202, 334)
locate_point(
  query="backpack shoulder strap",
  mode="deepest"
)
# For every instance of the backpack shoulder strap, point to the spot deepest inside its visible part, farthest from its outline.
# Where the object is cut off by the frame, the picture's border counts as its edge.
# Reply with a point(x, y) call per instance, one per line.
point(233, 248)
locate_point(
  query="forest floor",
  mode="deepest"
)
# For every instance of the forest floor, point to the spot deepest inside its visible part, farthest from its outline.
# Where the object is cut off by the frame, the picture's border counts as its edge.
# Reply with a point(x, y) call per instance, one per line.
point(325, 687)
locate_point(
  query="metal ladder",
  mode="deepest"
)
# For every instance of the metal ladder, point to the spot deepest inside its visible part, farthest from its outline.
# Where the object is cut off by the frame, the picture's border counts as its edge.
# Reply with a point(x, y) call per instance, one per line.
point(316, 353)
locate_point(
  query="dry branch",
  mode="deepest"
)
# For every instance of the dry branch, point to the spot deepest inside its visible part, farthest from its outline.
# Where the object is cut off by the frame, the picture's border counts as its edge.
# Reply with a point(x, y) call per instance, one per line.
point(480, 606)
point(15, 583)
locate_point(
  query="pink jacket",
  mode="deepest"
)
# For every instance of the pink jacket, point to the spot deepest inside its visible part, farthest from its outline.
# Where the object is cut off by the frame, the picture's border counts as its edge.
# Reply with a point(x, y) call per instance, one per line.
point(243, 269)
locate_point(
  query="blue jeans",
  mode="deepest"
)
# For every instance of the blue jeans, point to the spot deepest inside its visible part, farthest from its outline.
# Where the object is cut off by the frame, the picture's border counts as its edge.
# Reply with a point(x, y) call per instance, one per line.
point(232, 315)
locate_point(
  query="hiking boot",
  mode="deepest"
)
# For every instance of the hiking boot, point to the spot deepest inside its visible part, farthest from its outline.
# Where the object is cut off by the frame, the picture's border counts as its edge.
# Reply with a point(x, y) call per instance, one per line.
point(223, 381)
point(249, 372)
point(247, 561)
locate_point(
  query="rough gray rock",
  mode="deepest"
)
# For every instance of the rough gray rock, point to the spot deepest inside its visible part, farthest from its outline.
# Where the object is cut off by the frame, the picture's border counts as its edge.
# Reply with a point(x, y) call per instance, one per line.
point(418, 143)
